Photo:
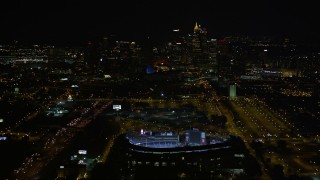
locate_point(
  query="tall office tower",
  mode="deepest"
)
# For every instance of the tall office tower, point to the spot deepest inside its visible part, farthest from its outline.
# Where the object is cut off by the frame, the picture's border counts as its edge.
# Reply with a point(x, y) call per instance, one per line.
point(92, 54)
point(106, 48)
point(212, 54)
point(177, 47)
point(232, 90)
point(196, 43)
point(223, 61)
point(147, 52)
point(133, 48)
point(199, 46)
point(177, 36)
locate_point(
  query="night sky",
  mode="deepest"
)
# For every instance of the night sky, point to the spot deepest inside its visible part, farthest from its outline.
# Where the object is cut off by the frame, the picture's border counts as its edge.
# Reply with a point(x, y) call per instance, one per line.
point(74, 22)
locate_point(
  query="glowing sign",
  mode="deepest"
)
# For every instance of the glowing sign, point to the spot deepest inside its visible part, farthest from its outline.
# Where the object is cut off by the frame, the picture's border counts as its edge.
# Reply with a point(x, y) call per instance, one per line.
point(82, 152)
point(117, 107)
point(3, 138)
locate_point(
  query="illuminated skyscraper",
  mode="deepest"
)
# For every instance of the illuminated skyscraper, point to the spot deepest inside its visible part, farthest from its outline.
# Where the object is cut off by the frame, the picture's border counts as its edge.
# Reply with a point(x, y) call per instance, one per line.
point(212, 54)
point(196, 27)
point(198, 43)
point(232, 91)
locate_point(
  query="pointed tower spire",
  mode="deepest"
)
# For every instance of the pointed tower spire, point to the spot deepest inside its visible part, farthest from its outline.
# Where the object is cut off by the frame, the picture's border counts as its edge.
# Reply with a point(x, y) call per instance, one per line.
point(196, 27)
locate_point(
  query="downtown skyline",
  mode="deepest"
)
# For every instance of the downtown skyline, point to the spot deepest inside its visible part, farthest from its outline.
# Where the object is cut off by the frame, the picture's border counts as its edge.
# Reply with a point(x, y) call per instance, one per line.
point(74, 23)
point(114, 90)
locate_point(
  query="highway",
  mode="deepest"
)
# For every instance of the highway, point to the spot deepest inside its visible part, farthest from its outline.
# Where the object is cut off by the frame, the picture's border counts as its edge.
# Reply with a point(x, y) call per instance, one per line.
point(33, 165)
point(247, 117)
point(257, 121)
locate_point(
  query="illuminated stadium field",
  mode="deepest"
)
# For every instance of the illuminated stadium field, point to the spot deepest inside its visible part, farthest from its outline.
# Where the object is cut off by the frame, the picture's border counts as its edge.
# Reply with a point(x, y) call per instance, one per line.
point(171, 140)
point(157, 140)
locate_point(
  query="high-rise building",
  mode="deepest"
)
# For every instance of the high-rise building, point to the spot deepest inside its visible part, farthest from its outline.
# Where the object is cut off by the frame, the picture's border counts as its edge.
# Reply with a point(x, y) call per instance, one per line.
point(177, 47)
point(147, 52)
point(92, 55)
point(199, 45)
point(212, 54)
point(232, 91)
point(223, 61)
